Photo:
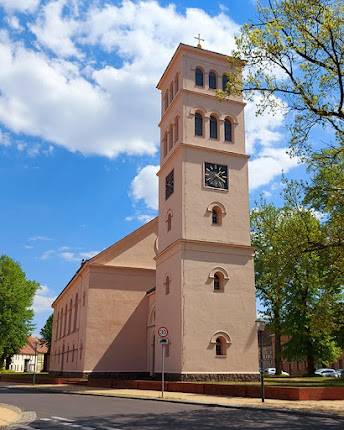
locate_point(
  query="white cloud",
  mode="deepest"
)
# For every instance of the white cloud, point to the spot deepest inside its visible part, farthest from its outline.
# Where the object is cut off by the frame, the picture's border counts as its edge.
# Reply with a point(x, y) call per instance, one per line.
point(55, 31)
point(77, 256)
point(4, 138)
point(19, 5)
point(270, 162)
point(145, 186)
point(105, 110)
point(39, 238)
point(68, 254)
point(42, 300)
point(265, 129)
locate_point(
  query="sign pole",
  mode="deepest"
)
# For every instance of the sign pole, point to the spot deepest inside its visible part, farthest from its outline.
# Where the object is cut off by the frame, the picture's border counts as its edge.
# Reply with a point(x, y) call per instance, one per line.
point(163, 369)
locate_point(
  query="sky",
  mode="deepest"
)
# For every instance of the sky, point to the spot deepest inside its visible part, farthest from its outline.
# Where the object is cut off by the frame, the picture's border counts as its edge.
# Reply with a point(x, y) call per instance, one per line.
point(79, 110)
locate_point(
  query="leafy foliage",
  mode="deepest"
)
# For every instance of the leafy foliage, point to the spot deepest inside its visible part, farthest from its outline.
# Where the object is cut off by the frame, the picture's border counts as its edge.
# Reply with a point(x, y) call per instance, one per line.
point(295, 51)
point(46, 331)
point(16, 297)
point(299, 286)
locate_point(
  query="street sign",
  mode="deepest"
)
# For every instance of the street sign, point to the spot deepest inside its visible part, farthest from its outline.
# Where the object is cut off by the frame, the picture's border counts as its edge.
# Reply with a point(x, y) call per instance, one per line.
point(163, 341)
point(162, 332)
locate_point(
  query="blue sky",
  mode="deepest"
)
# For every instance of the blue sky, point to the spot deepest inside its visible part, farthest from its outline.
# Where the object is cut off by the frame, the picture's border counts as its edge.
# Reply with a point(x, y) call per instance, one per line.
point(78, 124)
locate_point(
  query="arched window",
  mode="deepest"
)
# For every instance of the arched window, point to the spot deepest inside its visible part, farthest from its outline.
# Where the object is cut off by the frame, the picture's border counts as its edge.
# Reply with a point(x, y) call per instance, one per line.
point(70, 316)
point(58, 325)
point(224, 82)
point(61, 324)
point(65, 320)
point(213, 127)
point(217, 282)
point(176, 83)
point(73, 353)
point(165, 144)
point(76, 311)
point(167, 285)
point(166, 100)
point(216, 216)
point(199, 77)
point(171, 92)
point(170, 138)
point(198, 124)
point(212, 80)
point(220, 346)
point(176, 129)
point(228, 130)
point(169, 222)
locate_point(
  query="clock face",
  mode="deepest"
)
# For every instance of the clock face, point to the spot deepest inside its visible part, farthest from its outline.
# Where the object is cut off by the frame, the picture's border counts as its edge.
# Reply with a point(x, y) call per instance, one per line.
point(169, 184)
point(216, 176)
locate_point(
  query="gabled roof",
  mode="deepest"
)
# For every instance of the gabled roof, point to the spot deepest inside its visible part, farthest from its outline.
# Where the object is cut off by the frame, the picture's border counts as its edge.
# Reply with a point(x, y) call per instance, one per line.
point(148, 227)
point(30, 347)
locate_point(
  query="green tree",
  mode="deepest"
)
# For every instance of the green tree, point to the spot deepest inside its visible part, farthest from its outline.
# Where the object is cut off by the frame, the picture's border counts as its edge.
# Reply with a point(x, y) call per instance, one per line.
point(295, 51)
point(271, 268)
point(299, 288)
point(16, 297)
point(312, 296)
point(46, 331)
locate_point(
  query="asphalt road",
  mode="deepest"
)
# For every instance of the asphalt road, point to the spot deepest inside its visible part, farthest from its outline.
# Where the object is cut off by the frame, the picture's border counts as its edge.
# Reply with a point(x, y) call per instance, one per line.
point(83, 412)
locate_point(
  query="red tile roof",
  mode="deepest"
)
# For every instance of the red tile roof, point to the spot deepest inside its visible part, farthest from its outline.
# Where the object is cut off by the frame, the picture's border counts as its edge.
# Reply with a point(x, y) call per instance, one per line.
point(29, 348)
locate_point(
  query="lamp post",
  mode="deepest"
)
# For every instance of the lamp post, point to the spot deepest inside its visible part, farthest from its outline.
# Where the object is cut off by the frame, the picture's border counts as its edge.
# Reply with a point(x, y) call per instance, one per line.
point(260, 324)
point(35, 363)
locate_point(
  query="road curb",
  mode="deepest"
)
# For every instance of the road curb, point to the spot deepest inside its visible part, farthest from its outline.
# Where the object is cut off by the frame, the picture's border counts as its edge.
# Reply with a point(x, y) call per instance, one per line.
point(300, 412)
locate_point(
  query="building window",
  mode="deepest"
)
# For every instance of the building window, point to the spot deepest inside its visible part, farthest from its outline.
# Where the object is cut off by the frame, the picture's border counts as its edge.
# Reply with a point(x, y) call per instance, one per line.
point(167, 285)
point(70, 316)
point(176, 129)
point(228, 130)
point(198, 124)
point(169, 184)
point(176, 83)
point(217, 282)
point(220, 346)
point(216, 216)
point(166, 100)
point(169, 222)
point(65, 321)
point(213, 127)
point(212, 80)
point(76, 311)
point(58, 325)
point(165, 144)
point(224, 82)
point(199, 80)
point(170, 137)
point(171, 92)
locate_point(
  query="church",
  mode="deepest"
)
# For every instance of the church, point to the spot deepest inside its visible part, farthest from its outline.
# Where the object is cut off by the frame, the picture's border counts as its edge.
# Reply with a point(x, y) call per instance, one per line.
point(190, 270)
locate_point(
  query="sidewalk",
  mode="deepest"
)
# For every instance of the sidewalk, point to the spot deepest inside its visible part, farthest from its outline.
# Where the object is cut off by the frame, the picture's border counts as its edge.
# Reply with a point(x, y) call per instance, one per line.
point(8, 415)
point(322, 406)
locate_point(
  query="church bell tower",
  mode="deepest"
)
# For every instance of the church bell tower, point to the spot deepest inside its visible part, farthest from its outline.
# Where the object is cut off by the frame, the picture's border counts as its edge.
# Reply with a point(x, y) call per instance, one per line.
point(205, 292)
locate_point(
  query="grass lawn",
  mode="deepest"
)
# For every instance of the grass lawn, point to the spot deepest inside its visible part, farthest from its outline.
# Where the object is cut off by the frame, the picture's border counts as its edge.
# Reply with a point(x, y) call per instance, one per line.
point(305, 381)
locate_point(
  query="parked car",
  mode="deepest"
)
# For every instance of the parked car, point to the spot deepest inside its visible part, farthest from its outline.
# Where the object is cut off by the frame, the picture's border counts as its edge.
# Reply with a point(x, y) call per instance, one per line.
point(271, 371)
point(340, 373)
point(327, 372)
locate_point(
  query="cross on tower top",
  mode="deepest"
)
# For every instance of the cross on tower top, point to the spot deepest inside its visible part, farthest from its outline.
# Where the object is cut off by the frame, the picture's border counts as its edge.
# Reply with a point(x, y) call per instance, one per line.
point(198, 38)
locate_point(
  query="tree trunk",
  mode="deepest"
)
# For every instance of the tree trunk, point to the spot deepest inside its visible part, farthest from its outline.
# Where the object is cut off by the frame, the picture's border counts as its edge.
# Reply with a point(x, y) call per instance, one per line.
point(8, 361)
point(278, 346)
point(310, 365)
